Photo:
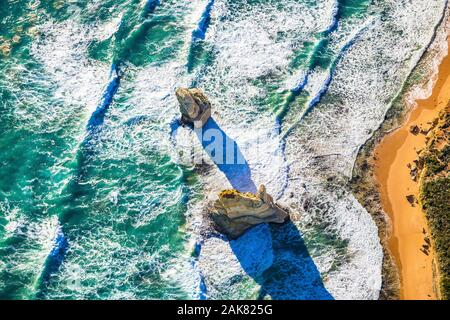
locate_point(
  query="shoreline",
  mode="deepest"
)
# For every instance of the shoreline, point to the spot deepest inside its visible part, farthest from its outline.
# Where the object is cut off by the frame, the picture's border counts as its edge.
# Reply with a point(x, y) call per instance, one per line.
point(397, 150)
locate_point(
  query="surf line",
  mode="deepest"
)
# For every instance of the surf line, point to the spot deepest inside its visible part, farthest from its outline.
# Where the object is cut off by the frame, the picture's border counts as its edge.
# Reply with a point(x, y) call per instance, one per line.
point(97, 118)
point(60, 247)
point(313, 62)
point(336, 14)
point(52, 262)
point(199, 34)
point(424, 51)
point(324, 88)
point(316, 99)
point(325, 35)
point(61, 243)
point(197, 37)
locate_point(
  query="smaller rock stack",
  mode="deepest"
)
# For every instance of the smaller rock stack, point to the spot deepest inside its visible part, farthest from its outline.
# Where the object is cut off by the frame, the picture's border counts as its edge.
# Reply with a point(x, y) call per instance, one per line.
point(234, 212)
point(194, 106)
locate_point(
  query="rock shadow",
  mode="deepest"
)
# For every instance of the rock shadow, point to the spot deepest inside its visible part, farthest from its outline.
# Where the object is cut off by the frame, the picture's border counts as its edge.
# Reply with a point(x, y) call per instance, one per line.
point(292, 275)
point(227, 156)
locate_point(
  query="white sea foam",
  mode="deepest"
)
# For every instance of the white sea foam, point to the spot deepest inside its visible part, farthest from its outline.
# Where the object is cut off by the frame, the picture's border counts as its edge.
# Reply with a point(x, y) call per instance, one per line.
point(78, 82)
point(27, 260)
point(230, 268)
point(251, 43)
point(246, 50)
point(437, 51)
point(137, 130)
point(322, 150)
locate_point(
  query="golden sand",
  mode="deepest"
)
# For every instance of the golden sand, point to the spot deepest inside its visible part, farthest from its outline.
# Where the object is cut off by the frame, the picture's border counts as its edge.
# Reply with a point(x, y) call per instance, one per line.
point(393, 154)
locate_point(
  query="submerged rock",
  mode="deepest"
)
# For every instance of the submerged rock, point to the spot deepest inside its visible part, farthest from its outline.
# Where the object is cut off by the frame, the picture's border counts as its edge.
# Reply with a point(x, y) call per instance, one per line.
point(234, 212)
point(194, 106)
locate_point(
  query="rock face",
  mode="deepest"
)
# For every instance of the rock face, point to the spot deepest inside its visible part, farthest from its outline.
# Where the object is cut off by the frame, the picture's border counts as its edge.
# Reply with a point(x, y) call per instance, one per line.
point(235, 212)
point(194, 106)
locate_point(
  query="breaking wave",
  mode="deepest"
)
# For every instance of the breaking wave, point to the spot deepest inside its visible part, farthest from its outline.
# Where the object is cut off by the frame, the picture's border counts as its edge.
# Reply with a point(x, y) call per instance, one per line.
point(297, 86)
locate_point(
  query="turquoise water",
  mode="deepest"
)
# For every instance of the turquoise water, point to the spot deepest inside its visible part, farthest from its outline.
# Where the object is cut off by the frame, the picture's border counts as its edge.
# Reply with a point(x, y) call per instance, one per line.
point(133, 200)
point(93, 202)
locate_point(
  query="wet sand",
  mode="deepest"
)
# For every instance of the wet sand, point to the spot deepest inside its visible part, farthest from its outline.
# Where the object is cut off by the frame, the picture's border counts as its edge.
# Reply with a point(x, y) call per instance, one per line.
point(392, 156)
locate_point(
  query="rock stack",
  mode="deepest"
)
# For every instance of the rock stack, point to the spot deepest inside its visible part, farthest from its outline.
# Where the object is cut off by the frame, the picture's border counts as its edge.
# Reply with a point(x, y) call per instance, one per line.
point(234, 212)
point(195, 107)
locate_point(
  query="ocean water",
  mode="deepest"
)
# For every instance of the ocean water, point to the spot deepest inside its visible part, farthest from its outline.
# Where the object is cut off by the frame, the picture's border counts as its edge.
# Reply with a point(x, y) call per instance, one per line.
point(98, 196)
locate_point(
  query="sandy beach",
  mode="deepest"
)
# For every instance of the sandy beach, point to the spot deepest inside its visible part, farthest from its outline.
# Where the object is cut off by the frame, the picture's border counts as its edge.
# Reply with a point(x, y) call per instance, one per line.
point(409, 225)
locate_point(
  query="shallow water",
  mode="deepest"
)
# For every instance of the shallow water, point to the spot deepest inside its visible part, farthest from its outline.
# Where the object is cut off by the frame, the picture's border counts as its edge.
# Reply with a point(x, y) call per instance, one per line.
point(94, 202)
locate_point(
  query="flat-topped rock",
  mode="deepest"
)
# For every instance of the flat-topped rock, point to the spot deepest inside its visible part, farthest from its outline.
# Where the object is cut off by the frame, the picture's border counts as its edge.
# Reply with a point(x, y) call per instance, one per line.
point(195, 107)
point(234, 212)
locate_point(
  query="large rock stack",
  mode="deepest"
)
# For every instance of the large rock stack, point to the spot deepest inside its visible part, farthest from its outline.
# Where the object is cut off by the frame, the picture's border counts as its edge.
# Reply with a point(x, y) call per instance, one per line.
point(195, 107)
point(234, 212)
